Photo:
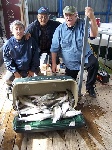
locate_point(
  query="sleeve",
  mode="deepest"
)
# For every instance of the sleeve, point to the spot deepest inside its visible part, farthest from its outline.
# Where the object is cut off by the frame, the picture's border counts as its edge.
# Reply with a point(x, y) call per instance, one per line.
point(8, 60)
point(35, 63)
point(55, 46)
point(89, 28)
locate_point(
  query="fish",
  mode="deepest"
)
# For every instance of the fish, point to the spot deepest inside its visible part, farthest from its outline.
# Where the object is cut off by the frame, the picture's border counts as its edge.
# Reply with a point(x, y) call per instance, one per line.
point(49, 96)
point(64, 98)
point(48, 100)
point(24, 110)
point(30, 110)
point(50, 103)
point(26, 101)
point(36, 117)
point(57, 113)
point(65, 107)
point(60, 100)
point(54, 105)
point(45, 97)
point(71, 113)
point(47, 111)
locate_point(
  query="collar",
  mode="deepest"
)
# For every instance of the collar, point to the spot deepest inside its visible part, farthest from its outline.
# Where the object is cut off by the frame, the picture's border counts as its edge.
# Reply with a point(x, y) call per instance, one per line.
point(18, 41)
point(68, 28)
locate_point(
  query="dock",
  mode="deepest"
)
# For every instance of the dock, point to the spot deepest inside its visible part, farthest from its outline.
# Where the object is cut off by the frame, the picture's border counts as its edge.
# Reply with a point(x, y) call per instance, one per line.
point(95, 135)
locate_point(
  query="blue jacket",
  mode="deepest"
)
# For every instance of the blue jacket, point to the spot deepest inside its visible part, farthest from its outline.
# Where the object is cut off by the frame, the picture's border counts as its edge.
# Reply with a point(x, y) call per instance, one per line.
point(35, 30)
point(69, 41)
point(21, 56)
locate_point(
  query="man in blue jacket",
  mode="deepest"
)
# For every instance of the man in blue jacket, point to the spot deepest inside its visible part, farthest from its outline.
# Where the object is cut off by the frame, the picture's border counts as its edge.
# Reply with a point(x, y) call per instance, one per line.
point(21, 56)
point(68, 39)
point(42, 30)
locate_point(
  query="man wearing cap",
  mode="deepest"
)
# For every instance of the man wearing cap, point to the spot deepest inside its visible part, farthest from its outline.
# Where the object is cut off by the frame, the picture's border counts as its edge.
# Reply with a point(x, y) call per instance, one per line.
point(42, 30)
point(68, 39)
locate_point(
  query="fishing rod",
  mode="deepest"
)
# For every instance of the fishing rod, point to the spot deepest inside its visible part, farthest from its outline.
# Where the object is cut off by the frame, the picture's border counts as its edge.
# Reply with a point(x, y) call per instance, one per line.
point(85, 40)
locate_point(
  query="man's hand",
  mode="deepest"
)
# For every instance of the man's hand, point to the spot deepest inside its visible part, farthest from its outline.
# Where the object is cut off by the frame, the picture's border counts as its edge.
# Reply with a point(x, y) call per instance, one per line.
point(17, 75)
point(54, 67)
point(30, 74)
point(27, 36)
point(89, 13)
point(94, 28)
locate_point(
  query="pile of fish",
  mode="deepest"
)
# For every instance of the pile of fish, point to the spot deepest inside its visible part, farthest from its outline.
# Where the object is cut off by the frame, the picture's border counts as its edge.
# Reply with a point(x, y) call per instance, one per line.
point(55, 105)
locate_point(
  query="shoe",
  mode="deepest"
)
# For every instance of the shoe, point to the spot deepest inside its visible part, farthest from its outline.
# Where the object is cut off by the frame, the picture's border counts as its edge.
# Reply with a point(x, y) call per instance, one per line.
point(91, 92)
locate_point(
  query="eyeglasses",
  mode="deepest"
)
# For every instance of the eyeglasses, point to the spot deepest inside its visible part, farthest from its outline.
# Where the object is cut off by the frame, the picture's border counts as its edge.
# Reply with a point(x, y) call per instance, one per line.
point(71, 15)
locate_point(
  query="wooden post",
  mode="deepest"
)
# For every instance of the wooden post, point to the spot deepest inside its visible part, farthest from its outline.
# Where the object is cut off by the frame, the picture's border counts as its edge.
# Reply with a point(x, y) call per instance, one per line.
point(24, 12)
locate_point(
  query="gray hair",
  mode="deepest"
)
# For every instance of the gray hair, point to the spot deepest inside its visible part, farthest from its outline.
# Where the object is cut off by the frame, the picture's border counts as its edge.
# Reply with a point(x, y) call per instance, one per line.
point(16, 22)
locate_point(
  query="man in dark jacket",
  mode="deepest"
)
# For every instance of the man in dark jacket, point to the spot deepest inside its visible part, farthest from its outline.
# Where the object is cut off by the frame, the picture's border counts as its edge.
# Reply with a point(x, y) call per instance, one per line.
point(42, 30)
point(21, 56)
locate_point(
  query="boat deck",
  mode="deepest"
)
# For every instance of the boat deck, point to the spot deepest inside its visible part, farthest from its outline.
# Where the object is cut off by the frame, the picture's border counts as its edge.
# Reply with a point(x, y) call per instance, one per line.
point(96, 135)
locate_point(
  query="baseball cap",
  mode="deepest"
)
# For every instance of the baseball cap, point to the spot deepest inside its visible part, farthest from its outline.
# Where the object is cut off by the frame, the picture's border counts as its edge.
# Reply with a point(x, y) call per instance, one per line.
point(43, 10)
point(69, 10)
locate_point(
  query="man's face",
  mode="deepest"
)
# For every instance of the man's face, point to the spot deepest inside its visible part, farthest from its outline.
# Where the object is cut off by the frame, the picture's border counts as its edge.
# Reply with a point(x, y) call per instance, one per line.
point(18, 31)
point(70, 19)
point(43, 19)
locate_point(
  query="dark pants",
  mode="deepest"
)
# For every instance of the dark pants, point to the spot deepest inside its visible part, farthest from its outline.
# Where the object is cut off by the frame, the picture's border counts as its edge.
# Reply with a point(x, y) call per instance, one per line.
point(92, 69)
